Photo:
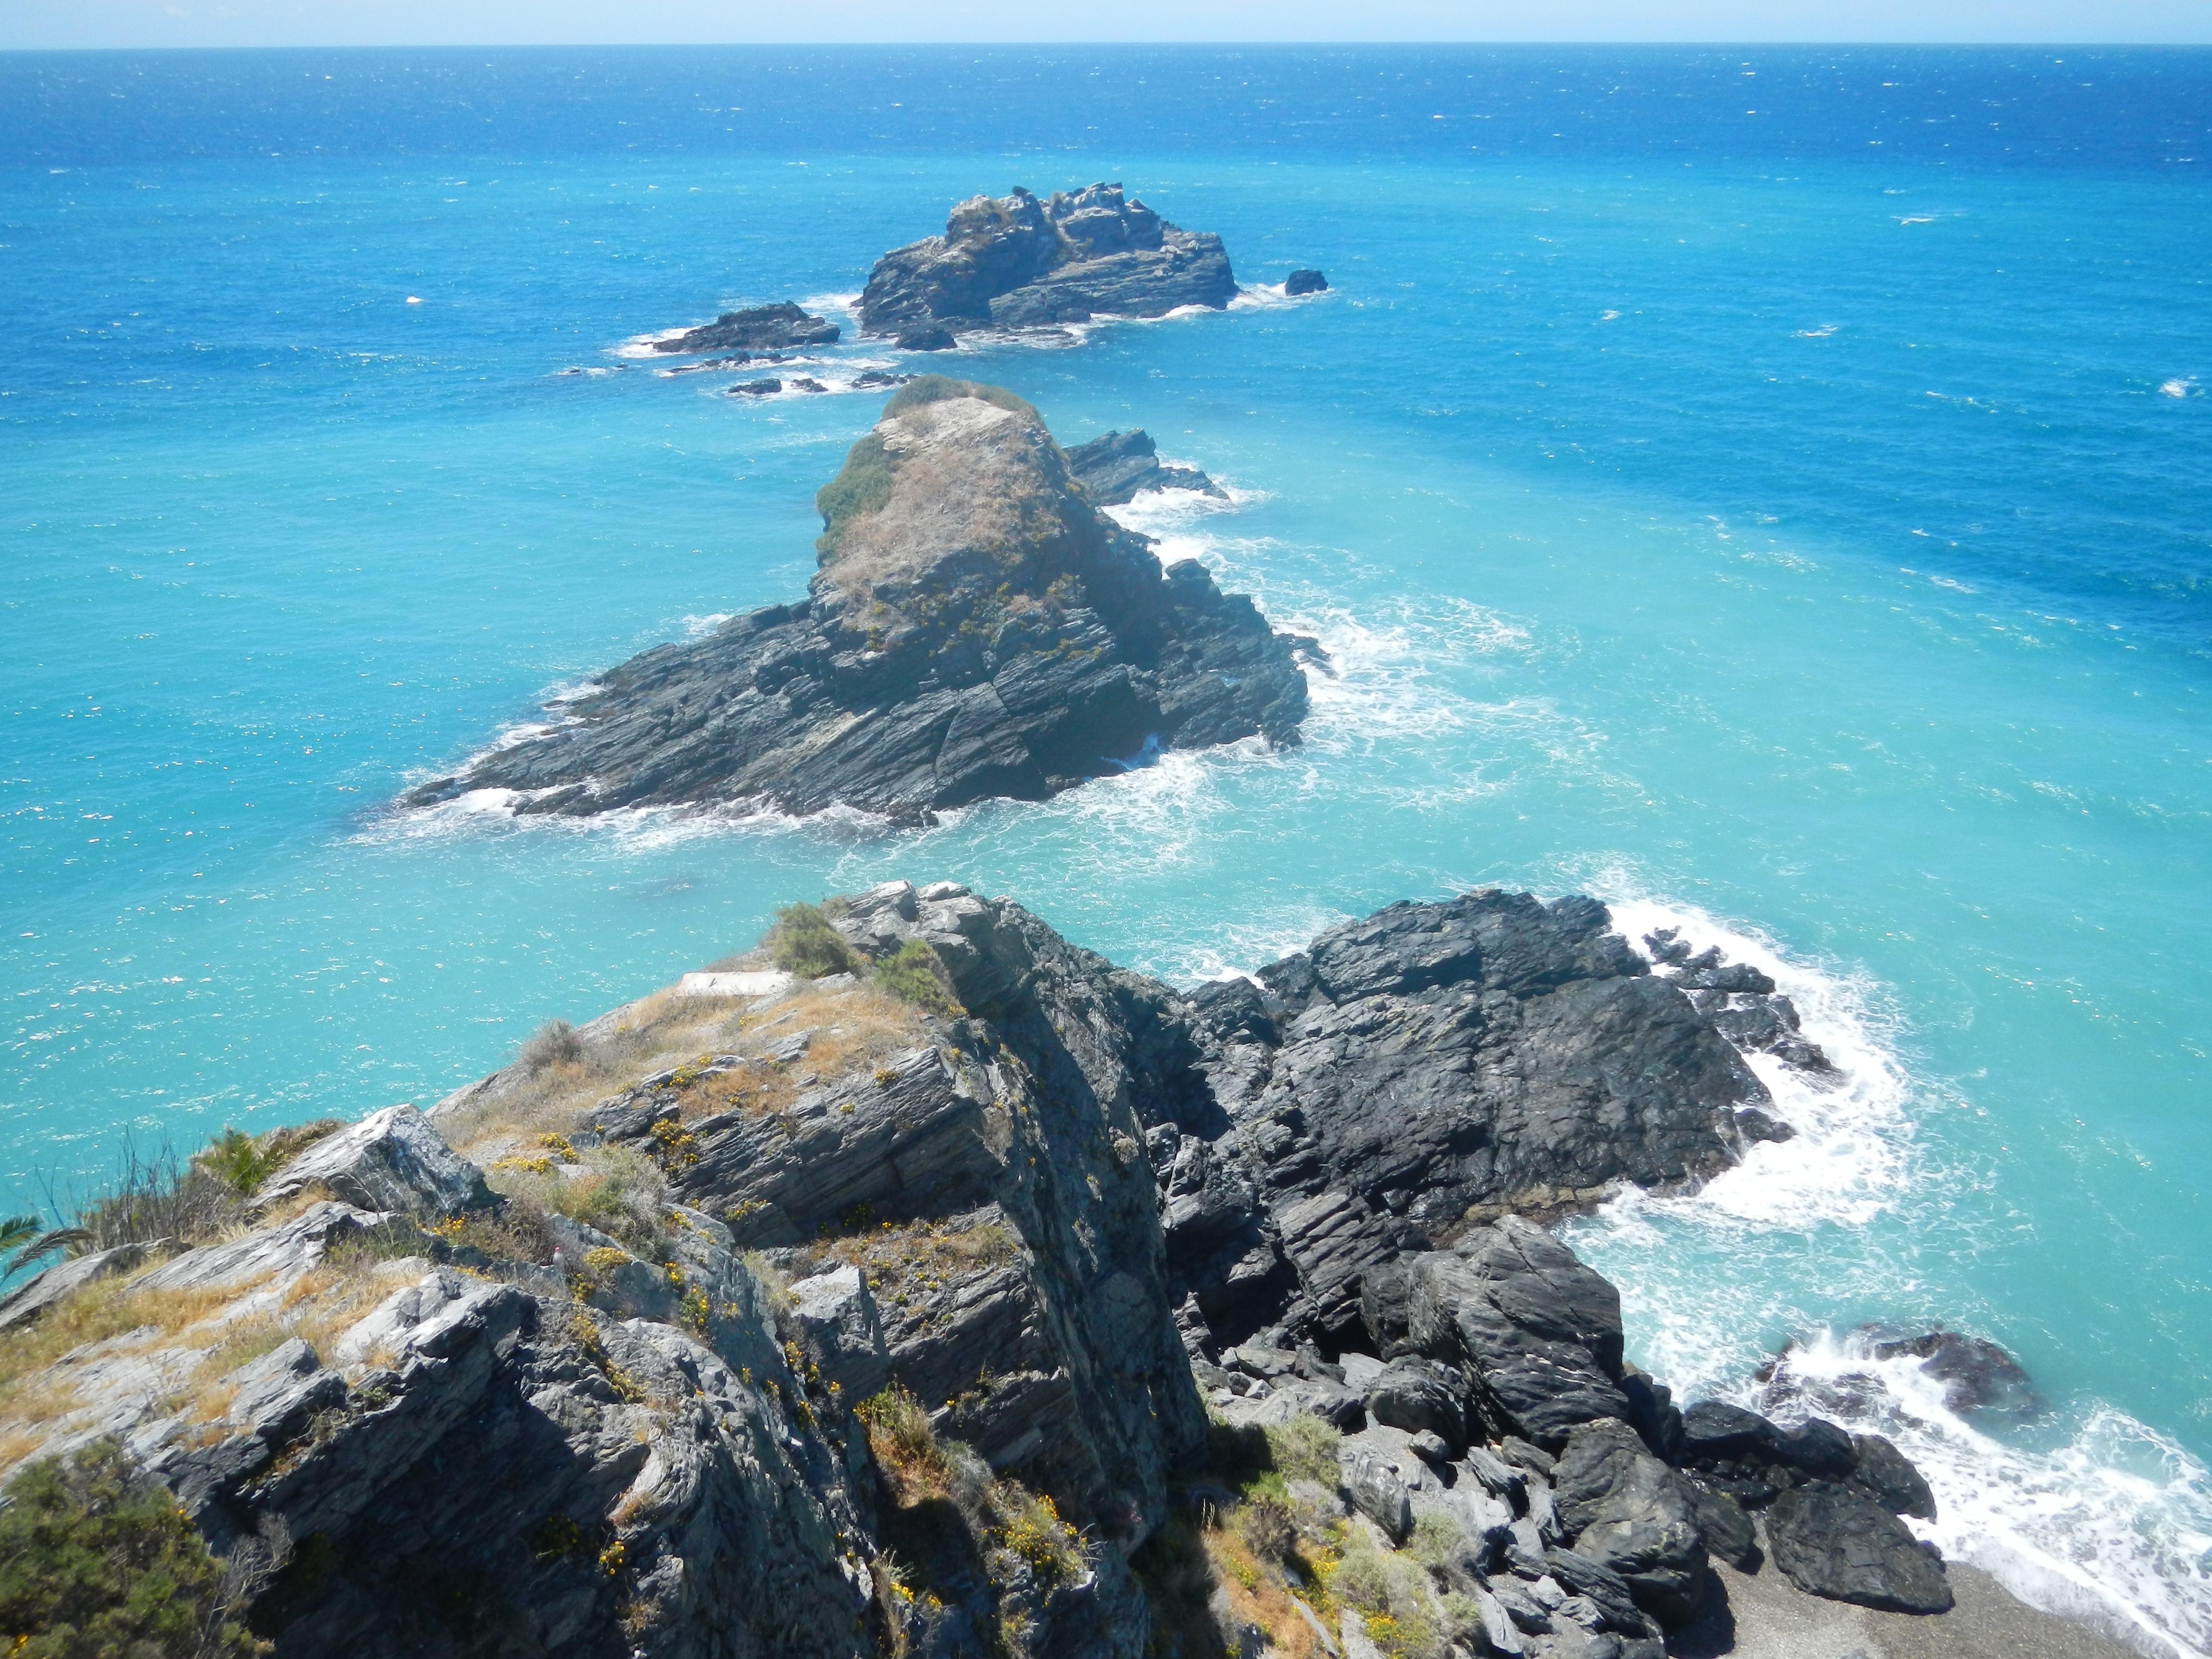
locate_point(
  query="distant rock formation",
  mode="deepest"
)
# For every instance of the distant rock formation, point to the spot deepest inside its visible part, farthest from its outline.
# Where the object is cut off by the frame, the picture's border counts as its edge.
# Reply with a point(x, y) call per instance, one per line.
point(1016, 262)
point(1119, 466)
point(1304, 281)
point(762, 328)
point(977, 628)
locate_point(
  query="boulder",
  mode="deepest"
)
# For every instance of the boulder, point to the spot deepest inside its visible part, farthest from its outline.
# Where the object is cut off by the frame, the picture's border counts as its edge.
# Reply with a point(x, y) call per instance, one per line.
point(1886, 1475)
point(1303, 282)
point(1713, 1429)
point(1415, 1395)
point(760, 328)
point(1727, 1531)
point(838, 1320)
point(1837, 1544)
point(1018, 262)
point(924, 337)
point(1373, 1487)
point(391, 1160)
point(1625, 1509)
point(1605, 1589)
point(1540, 1331)
point(976, 628)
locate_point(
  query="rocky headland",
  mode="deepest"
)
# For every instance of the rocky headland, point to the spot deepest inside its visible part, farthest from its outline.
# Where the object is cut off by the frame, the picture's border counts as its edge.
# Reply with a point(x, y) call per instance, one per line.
point(1016, 262)
point(976, 628)
point(923, 1283)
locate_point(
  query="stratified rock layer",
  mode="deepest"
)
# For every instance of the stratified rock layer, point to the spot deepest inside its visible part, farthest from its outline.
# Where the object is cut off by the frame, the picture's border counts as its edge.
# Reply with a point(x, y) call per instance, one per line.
point(759, 328)
point(1017, 262)
point(1119, 466)
point(977, 628)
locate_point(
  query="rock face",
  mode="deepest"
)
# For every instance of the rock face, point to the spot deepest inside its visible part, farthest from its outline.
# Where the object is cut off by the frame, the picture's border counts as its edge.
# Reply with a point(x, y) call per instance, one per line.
point(1016, 262)
point(976, 629)
point(1115, 468)
point(391, 1160)
point(762, 328)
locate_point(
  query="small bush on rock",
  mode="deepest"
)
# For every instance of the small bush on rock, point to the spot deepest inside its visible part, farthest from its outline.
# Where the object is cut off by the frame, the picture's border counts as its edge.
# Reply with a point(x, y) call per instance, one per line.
point(803, 943)
point(98, 1562)
point(913, 973)
point(553, 1043)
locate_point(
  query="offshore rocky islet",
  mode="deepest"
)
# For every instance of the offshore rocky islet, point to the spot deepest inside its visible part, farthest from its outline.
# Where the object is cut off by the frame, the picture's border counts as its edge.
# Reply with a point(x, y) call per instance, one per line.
point(1065, 1212)
point(977, 626)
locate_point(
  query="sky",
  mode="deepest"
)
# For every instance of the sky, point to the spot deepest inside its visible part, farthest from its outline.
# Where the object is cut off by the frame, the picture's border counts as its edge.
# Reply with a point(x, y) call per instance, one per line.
point(124, 23)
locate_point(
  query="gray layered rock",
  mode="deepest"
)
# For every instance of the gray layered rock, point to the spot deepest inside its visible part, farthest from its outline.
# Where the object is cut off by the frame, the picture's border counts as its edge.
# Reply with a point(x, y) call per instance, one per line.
point(391, 1160)
point(1017, 262)
point(976, 629)
point(759, 328)
point(1846, 1547)
point(843, 1330)
point(43, 1289)
point(1118, 467)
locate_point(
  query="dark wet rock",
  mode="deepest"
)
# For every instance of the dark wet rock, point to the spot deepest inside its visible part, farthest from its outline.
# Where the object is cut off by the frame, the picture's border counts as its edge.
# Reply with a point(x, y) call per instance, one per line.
point(870, 379)
point(1753, 1123)
point(755, 389)
point(1976, 1374)
point(1625, 1509)
point(1846, 1547)
point(1117, 467)
point(1607, 1589)
point(1431, 1065)
point(807, 383)
point(1714, 1431)
point(1886, 1475)
point(724, 365)
point(760, 328)
point(1539, 1332)
point(1018, 262)
point(924, 337)
point(1819, 1450)
point(977, 628)
point(1304, 281)
point(1725, 1528)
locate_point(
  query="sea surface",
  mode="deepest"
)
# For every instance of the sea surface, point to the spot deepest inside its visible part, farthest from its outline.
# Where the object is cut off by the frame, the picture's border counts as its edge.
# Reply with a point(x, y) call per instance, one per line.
point(1770, 489)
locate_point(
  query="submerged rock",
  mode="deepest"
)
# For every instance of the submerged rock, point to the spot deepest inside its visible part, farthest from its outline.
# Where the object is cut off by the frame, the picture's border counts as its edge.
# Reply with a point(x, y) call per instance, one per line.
point(1017, 262)
point(760, 328)
point(1115, 468)
point(976, 628)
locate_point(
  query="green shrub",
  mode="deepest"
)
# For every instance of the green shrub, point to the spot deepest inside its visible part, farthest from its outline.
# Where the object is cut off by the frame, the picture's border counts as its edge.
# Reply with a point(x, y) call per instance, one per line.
point(553, 1043)
point(862, 485)
point(98, 1562)
point(803, 943)
point(1304, 1449)
point(913, 973)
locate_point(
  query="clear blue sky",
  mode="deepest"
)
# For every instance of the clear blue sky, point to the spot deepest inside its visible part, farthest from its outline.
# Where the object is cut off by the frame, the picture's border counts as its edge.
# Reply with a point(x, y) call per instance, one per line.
point(25, 23)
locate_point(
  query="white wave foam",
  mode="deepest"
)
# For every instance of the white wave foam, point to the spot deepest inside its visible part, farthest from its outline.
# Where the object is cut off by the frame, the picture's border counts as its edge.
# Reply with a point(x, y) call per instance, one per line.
point(2111, 1528)
point(625, 831)
point(1269, 296)
point(2180, 387)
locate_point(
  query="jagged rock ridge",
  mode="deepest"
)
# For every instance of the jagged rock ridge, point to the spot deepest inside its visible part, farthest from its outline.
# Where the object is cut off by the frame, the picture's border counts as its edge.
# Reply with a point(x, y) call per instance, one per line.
point(976, 628)
point(1017, 262)
point(1118, 466)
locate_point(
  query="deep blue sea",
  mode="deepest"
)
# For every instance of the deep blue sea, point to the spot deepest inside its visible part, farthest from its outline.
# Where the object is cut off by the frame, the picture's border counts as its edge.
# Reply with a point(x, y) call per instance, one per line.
point(1771, 488)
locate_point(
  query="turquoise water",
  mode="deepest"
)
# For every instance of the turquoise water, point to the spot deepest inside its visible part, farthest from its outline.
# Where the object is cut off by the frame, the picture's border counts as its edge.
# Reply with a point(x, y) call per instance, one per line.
point(1794, 523)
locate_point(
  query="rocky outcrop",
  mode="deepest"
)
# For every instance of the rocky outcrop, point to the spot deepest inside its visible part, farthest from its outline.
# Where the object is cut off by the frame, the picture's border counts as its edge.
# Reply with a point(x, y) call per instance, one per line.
point(1303, 282)
point(391, 1160)
point(1117, 468)
point(777, 328)
point(976, 628)
point(1430, 1066)
point(1838, 1545)
point(1017, 262)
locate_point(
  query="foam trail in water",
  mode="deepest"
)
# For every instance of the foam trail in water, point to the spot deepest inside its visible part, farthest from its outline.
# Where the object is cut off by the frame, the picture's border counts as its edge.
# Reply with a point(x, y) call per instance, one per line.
point(2109, 1523)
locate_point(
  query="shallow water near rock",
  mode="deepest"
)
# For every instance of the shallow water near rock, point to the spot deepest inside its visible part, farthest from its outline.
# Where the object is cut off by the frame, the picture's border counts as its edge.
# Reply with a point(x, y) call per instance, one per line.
point(1788, 526)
